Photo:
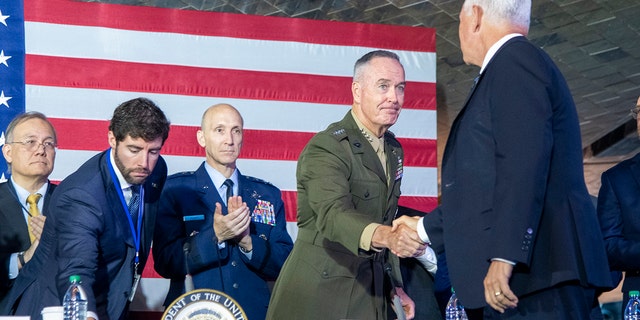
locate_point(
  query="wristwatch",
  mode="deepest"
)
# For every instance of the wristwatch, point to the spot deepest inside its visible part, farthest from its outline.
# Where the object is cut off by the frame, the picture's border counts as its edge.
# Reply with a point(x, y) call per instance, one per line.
point(21, 258)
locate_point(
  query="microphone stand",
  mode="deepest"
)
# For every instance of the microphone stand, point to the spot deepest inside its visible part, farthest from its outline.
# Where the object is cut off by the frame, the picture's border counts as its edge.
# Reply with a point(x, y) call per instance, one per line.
point(188, 280)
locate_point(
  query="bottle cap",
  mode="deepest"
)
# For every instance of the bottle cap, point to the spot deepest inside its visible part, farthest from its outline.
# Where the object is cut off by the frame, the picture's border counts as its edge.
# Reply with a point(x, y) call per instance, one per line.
point(74, 278)
point(634, 293)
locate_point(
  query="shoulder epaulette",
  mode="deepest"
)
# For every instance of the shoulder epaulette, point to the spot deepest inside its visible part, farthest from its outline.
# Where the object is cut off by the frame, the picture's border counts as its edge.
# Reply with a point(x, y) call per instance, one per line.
point(181, 174)
point(254, 179)
point(337, 132)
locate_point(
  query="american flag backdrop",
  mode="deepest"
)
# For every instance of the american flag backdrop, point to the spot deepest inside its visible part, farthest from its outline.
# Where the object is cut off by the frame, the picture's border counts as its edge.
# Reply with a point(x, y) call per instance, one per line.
point(289, 78)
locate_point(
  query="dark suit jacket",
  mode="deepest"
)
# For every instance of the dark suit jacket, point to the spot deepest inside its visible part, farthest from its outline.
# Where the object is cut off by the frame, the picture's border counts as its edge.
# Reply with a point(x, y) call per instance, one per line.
point(619, 214)
point(92, 239)
point(186, 215)
point(14, 232)
point(342, 188)
point(513, 184)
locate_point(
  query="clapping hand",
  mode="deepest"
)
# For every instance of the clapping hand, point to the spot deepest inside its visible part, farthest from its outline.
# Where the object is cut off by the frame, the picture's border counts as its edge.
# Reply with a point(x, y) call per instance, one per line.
point(233, 225)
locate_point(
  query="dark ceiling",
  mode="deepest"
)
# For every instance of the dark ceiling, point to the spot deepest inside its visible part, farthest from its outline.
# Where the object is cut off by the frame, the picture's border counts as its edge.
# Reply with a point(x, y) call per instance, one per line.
point(596, 44)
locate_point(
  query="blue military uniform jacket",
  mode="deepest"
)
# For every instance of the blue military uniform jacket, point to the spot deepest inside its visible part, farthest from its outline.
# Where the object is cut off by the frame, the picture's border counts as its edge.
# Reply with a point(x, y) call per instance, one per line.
point(186, 215)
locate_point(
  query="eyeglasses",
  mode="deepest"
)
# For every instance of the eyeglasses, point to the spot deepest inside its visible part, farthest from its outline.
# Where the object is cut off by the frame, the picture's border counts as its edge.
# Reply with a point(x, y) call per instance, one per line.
point(33, 145)
point(634, 112)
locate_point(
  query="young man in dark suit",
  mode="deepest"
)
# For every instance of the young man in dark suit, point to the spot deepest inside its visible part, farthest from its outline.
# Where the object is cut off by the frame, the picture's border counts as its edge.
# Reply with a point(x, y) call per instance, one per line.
point(30, 152)
point(103, 217)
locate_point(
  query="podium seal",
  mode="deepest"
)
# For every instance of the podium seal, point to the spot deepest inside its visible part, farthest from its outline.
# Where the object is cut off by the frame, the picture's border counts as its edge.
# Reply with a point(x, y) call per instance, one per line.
point(204, 304)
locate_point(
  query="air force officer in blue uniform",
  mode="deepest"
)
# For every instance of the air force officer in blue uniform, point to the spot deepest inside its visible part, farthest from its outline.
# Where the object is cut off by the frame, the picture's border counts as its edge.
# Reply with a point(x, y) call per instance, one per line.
point(234, 225)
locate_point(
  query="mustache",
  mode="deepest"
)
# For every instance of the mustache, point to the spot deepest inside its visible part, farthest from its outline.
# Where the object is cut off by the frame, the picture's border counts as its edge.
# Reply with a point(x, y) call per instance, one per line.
point(140, 170)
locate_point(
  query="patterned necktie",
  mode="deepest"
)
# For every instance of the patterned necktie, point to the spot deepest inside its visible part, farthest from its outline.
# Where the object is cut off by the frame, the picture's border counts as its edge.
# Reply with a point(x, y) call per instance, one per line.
point(32, 200)
point(229, 184)
point(134, 203)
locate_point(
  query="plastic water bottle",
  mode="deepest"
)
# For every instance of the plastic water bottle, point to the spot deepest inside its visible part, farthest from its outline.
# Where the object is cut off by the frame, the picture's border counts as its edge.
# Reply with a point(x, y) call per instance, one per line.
point(632, 311)
point(75, 301)
point(455, 310)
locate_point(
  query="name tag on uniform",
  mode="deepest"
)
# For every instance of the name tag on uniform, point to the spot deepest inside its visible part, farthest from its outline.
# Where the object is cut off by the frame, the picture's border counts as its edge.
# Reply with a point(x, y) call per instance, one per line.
point(193, 218)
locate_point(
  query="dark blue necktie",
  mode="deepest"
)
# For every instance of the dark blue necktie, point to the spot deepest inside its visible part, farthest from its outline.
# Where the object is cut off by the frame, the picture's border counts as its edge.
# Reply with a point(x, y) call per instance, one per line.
point(134, 203)
point(229, 184)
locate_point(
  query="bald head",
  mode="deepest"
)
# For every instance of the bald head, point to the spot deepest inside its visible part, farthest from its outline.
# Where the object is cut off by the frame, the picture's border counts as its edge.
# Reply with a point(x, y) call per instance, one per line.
point(216, 108)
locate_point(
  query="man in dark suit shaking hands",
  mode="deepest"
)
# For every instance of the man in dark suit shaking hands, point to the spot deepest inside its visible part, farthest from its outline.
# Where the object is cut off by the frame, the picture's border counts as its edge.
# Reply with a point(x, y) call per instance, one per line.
point(30, 152)
point(517, 225)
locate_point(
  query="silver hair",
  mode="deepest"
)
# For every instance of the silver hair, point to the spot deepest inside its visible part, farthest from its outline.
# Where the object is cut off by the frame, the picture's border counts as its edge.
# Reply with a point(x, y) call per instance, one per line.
point(364, 60)
point(515, 12)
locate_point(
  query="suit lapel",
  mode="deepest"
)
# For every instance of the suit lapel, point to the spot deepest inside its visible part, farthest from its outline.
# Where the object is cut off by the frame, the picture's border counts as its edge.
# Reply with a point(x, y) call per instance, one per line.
point(207, 191)
point(13, 211)
point(395, 165)
point(361, 147)
point(113, 197)
point(248, 193)
point(120, 213)
point(454, 126)
point(369, 158)
point(635, 168)
point(47, 198)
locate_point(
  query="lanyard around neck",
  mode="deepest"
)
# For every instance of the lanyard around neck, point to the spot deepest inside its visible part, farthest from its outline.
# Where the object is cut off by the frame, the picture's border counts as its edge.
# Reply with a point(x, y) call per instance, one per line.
point(135, 233)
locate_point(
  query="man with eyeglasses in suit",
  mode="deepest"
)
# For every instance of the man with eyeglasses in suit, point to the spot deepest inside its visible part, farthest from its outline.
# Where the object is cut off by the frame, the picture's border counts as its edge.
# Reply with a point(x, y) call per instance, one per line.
point(619, 215)
point(30, 152)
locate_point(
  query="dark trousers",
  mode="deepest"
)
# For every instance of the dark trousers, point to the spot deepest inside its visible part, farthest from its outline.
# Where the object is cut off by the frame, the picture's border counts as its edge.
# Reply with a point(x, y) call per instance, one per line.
point(568, 301)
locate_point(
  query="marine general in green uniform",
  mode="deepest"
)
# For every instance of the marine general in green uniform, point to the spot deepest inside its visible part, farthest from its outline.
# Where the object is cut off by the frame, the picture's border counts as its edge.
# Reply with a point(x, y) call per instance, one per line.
point(348, 180)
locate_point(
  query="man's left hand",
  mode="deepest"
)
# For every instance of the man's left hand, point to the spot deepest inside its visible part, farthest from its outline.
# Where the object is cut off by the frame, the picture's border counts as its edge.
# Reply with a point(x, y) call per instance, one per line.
point(408, 306)
point(497, 292)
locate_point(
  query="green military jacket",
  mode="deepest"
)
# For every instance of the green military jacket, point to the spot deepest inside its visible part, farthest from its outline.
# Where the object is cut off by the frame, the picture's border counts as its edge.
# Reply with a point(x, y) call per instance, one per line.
point(342, 188)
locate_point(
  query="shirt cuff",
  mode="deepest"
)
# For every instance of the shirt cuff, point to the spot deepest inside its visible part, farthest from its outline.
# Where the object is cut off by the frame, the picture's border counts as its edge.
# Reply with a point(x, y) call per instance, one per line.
point(504, 260)
point(422, 233)
point(367, 236)
point(247, 254)
point(429, 260)
point(13, 266)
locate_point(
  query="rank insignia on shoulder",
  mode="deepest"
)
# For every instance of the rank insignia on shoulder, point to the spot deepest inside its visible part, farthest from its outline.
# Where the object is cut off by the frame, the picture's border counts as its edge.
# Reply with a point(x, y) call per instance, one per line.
point(258, 180)
point(339, 132)
point(264, 213)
